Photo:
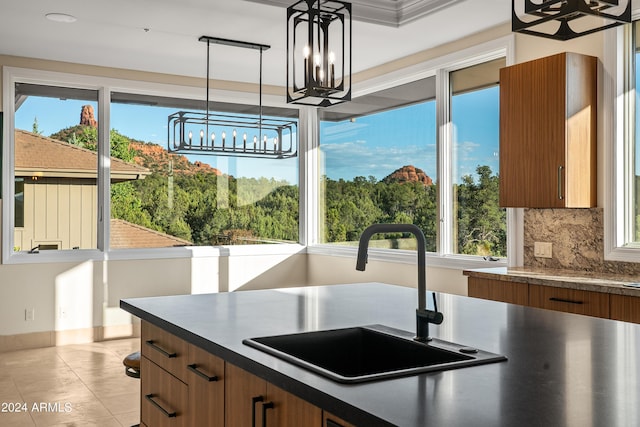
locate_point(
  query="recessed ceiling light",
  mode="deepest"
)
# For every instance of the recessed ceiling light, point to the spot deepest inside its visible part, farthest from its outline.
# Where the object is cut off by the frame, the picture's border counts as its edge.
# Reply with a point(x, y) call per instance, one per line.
point(61, 17)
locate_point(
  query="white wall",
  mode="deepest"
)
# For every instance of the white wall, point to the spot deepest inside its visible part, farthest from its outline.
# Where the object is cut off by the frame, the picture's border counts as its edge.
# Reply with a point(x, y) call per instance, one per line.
point(85, 295)
point(328, 270)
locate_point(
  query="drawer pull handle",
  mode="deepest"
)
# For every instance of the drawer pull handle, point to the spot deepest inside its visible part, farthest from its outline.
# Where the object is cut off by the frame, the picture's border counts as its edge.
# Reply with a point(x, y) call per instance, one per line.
point(254, 400)
point(161, 350)
point(194, 368)
point(565, 300)
point(166, 413)
point(331, 423)
point(265, 406)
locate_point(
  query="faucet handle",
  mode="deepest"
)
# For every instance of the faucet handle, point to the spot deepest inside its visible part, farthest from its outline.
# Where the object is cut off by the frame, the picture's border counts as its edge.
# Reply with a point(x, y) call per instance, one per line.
point(430, 316)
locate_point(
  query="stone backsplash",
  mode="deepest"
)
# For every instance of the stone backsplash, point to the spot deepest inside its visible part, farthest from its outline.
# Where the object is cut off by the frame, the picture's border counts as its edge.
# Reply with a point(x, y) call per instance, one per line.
point(577, 236)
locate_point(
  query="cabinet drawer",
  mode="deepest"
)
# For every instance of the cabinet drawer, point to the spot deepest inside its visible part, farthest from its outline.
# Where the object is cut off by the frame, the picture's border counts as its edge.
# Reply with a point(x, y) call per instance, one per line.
point(205, 376)
point(164, 399)
point(499, 290)
point(569, 300)
point(625, 308)
point(165, 350)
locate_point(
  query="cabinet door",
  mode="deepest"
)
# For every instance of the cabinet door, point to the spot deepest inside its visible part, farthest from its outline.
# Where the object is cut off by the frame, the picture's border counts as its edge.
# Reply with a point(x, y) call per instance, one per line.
point(164, 399)
point(532, 111)
point(286, 410)
point(252, 402)
point(625, 308)
point(548, 116)
point(499, 290)
point(569, 300)
point(330, 420)
point(205, 376)
point(244, 395)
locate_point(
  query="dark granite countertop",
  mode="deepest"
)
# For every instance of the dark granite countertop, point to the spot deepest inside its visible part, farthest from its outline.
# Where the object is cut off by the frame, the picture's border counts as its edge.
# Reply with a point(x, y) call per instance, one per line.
point(581, 280)
point(563, 369)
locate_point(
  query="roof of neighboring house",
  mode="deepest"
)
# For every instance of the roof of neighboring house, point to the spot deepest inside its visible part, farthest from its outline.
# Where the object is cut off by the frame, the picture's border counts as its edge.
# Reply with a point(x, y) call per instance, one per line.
point(126, 235)
point(37, 155)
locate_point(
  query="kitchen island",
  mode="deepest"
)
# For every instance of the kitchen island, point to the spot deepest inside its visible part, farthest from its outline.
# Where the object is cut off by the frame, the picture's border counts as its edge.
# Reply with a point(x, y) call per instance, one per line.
point(562, 369)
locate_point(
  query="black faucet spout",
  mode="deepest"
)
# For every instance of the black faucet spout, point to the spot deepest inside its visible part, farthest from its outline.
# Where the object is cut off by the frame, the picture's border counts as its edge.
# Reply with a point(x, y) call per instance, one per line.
point(423, 316)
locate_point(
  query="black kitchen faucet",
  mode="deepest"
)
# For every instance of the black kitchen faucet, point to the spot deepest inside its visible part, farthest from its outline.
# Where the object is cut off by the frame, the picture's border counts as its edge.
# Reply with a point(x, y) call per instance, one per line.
point(423, 316)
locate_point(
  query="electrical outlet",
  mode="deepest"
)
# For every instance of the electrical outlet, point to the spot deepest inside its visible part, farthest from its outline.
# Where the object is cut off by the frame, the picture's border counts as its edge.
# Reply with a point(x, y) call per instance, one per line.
point(29, 314)
point(62, 313)
point(542, 249)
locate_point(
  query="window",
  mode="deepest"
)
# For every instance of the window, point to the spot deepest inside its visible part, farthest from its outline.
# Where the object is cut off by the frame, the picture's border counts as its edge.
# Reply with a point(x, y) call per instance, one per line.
point(194, 199)
point(480, 226)
point(379, 165)
point(60, 186)
point(634, 147)
point(383, 161)
point(622, 202)
point(55, 167)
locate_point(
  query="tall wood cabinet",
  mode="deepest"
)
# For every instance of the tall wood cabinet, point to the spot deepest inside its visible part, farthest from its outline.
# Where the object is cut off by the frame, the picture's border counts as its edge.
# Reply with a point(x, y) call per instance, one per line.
point(548, 116)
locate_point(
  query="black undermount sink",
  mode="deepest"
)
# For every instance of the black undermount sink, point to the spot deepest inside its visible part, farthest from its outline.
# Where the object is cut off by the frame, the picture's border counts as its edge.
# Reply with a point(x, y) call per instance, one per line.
point(369, 353)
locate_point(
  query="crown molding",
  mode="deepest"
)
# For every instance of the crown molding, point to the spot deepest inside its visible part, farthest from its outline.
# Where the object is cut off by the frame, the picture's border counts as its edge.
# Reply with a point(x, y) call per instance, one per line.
point(392, 13)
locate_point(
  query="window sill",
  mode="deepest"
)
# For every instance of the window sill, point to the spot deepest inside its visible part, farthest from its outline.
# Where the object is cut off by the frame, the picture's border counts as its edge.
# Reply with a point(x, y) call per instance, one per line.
point(457, 262)
point(74, 256)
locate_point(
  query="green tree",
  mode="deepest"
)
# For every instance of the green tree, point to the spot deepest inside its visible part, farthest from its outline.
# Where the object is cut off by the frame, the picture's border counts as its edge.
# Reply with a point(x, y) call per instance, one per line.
point(35, 127)
point(481, 222)
point(87, 137)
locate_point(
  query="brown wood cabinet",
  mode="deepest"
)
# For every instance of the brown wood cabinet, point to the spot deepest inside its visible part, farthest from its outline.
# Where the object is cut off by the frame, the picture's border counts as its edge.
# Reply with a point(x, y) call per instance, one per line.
point(330, 420)
point(499, 290)
point(184, 385)
point(548, 115)
point(164, 398)
point(599, 304)
point(181, 384)
point(569, 300)
point(165, 350)
point(205, 376)
point(625, 308)
point(251, 401)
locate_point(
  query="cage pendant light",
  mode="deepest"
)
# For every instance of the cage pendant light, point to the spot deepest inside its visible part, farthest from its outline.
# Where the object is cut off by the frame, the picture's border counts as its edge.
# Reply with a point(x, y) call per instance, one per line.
point(568, 19)
point(237, 135)
point(319, 52)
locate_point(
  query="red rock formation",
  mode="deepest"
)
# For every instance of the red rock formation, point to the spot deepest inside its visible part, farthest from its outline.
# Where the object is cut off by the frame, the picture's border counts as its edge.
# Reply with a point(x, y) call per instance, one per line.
point(157, 159)
point(409, 173)
point(87, 118)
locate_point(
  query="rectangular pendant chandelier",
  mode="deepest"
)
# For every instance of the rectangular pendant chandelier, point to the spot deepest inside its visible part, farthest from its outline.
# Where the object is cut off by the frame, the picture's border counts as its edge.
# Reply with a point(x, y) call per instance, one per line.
point(319, 52)
point(568, 19)
point(236, 135)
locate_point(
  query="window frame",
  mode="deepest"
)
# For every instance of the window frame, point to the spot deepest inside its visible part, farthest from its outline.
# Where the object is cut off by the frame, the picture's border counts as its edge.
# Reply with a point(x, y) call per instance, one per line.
point(440, 68)
point(618, 122)
point(105, 86)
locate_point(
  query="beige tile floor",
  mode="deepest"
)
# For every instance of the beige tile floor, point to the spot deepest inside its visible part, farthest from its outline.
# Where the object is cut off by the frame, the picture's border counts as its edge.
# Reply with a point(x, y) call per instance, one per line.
point(74, 385)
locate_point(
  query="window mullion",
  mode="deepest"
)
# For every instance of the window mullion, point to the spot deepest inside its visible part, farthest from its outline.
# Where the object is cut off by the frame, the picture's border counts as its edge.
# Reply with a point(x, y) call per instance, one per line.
point(629, 132)
point(309, 177)
point(444, 148)
point(104, 164)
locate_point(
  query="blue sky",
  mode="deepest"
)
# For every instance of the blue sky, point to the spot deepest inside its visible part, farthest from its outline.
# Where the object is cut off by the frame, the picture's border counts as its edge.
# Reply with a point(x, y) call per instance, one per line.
point(381, 143)
point(374, 145)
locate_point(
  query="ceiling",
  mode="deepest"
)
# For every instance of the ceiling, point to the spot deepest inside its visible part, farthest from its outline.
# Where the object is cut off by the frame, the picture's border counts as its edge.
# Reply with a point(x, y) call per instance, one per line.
point(162, 35)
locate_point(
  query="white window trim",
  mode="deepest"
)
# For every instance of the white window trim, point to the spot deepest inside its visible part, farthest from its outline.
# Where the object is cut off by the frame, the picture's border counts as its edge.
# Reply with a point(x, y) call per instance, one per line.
point(105, 86)
point(439, 67)
point(618, 120)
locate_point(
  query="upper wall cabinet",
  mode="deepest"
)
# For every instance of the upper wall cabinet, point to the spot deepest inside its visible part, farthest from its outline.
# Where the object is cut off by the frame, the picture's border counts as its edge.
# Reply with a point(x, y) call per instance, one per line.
point(548, 115)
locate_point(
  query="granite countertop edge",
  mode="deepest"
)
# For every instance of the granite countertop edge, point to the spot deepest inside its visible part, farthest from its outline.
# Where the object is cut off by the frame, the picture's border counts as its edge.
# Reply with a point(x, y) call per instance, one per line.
point(569, 279)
